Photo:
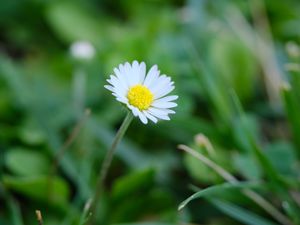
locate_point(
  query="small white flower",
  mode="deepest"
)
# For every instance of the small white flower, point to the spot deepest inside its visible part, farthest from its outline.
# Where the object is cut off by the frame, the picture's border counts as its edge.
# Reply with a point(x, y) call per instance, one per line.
point(144, 95)
point(82, 50)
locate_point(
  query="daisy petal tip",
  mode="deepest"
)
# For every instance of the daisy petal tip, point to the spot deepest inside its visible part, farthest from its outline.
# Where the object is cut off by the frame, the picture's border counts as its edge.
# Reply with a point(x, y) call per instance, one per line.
point(127, 64)
point(108, 87)
point(166, 118)
point(120, 66)
point(144, 120)
point(154, 67)
point(116, 70)
point(174, 105)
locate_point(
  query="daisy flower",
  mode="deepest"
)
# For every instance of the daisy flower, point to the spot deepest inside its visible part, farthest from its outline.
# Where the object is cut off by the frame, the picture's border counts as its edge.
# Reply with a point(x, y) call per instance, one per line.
point(144, 94)
point(82, 50)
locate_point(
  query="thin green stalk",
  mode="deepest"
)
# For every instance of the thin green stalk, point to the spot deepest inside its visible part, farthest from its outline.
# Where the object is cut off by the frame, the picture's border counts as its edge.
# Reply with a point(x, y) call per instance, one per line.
point(12, 204)
point(106, 164)
point(60, 153)
point(268, 207)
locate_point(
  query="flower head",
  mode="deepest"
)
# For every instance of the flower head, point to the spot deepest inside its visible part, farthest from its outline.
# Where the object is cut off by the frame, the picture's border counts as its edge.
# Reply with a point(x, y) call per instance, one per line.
point(82, 50)
point(144, 94)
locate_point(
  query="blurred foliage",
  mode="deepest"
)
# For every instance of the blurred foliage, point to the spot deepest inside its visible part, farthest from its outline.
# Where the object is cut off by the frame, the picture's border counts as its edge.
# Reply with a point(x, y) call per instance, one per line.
point(236, 67)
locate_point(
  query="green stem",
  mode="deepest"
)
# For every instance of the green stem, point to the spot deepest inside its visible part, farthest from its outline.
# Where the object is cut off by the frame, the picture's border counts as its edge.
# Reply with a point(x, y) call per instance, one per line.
point(106, 164)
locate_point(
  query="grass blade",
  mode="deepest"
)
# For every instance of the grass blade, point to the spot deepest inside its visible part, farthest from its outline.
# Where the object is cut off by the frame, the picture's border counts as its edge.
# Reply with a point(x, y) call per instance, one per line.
point(217, 189)
point(240, 214)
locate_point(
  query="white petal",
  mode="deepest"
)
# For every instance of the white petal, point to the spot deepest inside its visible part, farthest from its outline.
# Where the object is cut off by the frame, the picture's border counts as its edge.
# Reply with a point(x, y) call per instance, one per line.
point(161, 116)
point(142, 72)
point(118, 87)
point(160, 83)
point(128, 73)
point(110, 81)
point(113, 80)
point(121, 77)
point(152, 75)
point(167, 98)
point(123, 74)
point(164, 91)
point(120, 91)
point(142, 117)
point(169, 111)
point(108, 87)
point(164, 105)
point(164, 117)
point(150, 117)
point(155, 111)
point(133, 109)
point(135, 72)
point(122, 99)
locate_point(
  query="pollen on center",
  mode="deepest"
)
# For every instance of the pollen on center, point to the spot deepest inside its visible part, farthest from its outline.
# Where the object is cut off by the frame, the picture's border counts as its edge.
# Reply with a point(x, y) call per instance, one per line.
point(140, 96)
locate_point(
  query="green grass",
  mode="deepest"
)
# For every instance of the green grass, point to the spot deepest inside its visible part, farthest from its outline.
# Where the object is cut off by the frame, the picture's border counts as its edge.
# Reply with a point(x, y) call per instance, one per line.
point(235, 65)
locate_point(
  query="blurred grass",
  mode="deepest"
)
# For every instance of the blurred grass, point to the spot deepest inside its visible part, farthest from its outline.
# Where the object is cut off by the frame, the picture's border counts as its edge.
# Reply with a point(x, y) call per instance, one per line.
point(228, 60)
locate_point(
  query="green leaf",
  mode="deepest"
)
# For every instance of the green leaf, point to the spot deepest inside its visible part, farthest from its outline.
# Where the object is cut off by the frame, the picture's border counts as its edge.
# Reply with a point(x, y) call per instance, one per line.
point(240, 214)
point(72, 22)
point(282, 156)
point(253, 147)
point(38, 188)
point(217, 189)
point(151, 202)
point(134, 182)
point(26, 162)
point(145, 223)
point(234, 66)
point(30, 133)
point(214, 90)
point(277, 184)
point(241, 137)
point(200, 171)
point(247, 166)
point(294, 75)
point(292, 108)
point(16, 215)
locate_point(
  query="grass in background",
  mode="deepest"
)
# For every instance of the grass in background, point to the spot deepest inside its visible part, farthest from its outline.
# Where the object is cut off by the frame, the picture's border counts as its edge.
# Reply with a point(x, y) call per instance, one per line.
point(238, 83)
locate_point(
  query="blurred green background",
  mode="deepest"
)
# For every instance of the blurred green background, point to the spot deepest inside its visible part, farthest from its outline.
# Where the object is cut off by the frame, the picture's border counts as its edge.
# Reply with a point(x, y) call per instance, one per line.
point(235, 64)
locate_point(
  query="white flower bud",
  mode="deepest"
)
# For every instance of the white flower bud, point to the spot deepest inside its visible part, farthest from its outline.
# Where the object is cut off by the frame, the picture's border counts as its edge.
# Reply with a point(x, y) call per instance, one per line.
point(82, 50)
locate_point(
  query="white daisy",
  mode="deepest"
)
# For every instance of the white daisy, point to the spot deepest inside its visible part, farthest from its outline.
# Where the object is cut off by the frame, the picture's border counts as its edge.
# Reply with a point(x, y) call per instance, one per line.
point(82, 50)
point(144, 95)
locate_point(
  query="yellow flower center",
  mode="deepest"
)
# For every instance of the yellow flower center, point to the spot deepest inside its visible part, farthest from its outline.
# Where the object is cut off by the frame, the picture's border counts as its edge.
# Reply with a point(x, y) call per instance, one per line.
point(140, 96)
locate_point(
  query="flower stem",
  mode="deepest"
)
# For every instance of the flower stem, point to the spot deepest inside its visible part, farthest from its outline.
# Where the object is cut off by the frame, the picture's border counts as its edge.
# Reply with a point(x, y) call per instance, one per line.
point(106, 164)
